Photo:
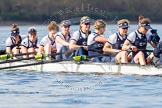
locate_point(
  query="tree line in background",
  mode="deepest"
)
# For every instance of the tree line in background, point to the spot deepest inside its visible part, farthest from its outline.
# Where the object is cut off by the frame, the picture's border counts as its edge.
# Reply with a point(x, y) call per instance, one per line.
point(109, 10)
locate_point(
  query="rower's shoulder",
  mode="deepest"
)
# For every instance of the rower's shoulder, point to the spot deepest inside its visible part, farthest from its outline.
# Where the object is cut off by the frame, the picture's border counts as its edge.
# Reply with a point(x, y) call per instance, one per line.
point(76, 33)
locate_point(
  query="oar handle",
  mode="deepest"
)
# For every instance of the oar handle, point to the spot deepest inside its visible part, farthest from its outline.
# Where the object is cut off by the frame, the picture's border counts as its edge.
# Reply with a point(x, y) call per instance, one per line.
point(79, 58)
point(6, 56)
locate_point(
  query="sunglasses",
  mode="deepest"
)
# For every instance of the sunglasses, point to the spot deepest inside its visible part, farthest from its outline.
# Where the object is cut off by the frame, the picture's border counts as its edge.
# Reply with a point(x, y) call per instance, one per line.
point(66, 26)
point(86, 23)
point(125, 28)
point(33, 33)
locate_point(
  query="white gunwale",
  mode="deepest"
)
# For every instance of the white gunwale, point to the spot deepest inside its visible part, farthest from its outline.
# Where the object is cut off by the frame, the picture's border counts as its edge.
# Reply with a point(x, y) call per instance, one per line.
point(88, 67)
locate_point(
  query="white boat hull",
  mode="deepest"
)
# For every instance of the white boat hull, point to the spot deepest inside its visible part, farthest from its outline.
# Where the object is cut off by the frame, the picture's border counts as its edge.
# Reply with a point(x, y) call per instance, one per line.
point(88, 67)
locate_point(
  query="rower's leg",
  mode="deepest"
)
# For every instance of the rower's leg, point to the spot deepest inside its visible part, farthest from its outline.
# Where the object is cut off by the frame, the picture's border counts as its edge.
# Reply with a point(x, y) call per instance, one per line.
point(31, 50)
point(129, 57)
point(121, 57)
point(24, 50)
point(139, 58)
point(149, 58)
point(15, 50)
point(47, 49)
point(124, 58)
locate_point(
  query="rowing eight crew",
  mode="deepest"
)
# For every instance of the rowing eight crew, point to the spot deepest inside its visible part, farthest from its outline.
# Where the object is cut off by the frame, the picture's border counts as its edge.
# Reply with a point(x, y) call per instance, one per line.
point(119, 47)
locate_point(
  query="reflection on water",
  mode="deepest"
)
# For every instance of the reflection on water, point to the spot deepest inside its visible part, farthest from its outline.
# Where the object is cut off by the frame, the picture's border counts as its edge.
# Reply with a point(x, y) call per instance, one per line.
point(42, 89)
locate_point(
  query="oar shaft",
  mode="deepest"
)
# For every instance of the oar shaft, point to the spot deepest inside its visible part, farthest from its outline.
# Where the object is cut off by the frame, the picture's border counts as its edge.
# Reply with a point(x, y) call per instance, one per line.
point(21, 54)
point(31, 64)
point(15, 60)
point(52, 61)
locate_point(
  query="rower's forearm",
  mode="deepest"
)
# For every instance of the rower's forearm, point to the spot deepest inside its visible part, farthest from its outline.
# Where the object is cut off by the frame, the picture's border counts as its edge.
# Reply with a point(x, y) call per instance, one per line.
point(74, 47)
point(126, 47)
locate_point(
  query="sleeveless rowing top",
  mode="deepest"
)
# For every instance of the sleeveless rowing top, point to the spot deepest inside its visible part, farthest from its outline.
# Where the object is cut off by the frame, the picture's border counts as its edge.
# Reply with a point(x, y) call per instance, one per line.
point(94, 45)
point(58, 45)
point(45, 40)
point(140, 40)
point(80, 37)
point(11, 42)
point(28, 44)
point(116, 40)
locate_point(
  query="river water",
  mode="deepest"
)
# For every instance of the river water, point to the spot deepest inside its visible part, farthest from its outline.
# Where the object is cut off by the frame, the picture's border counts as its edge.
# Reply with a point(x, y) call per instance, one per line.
point(22, 89)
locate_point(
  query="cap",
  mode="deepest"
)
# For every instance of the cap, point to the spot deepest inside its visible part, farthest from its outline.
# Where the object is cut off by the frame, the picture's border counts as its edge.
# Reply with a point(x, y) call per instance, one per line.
point(32, 30)
point(65, 23)
point(15, 32)
point(146, 25)
point(85, 20)
point(145, 22)
point(124, 25)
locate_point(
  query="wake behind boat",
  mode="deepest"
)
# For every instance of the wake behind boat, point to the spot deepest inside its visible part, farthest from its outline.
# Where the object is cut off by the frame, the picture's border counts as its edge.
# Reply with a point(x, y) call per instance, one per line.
point(84, 67)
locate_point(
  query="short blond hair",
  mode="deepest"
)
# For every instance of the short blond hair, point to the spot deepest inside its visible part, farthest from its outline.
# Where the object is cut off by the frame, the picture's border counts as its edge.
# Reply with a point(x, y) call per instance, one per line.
point(99, 24)
point(123, 21)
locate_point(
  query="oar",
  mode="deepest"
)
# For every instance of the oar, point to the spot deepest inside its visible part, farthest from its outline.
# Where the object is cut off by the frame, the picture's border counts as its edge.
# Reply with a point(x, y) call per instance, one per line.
point(8, 55)
point(75, 58)
point(123, 50)
point(38, 56)
point(145, 50)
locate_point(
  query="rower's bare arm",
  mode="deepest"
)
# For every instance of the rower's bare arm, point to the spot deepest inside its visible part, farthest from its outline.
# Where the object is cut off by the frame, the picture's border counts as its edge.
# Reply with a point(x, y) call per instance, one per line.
point(153, 44)
point(85, 47)
point(100, 39)
point(61, 41)
point(108, 48)
point(73, 45)
point(8, 50)
point(126, 45)
point(41, 49)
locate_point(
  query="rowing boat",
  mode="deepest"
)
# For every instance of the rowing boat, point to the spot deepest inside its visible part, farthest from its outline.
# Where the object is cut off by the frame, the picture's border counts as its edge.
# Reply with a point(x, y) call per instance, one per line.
point(84, 67)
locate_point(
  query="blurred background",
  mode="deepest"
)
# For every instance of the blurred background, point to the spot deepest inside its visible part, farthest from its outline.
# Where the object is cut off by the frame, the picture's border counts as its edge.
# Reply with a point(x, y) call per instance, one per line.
point(42, 11)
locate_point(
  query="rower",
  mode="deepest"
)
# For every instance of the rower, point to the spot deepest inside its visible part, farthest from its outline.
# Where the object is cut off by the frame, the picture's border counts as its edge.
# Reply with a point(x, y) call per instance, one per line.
point(114, 44)
point(29, 44)
point(62, 40)
point(13, 42)
point(137, 42)
point(78, 41)
point(96, 42)
point(47, 44)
